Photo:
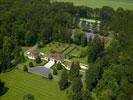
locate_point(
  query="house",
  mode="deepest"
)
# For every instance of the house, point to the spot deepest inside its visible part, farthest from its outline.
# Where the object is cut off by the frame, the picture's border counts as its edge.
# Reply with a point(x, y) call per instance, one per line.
point(56, 57)
point(89, 24)
point(32, 54)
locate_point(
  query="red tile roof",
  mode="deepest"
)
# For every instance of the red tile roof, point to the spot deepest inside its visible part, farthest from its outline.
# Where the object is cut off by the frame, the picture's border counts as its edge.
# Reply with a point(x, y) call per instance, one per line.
point(56, 56)
point(33, 53)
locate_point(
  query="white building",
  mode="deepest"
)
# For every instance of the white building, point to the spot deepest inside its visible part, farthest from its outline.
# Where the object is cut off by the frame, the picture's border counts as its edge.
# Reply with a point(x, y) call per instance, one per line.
point(32, 54)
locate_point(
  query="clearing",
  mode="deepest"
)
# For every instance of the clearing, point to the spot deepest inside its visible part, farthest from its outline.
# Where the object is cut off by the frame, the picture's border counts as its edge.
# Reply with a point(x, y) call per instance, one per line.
point(99, 3)
point(21, 83)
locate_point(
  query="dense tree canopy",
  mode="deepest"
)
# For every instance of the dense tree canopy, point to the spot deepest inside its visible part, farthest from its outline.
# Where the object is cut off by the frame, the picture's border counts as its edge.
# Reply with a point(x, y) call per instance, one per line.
point(27, 22)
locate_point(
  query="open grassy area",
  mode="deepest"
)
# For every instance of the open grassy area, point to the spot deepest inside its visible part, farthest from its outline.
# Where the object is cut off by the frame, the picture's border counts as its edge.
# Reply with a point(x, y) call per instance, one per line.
point(21, 83)
point(53, 46)
point(76, 53)
point(27, 61)
point(59, 72)
point(99, 3)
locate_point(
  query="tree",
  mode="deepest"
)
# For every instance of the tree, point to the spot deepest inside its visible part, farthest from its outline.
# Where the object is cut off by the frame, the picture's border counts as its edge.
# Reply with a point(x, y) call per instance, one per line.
point(6, 54)
point(63, 82)
point(77, 85)
point(96, 49)
point(55, 71)
point(25, 68)
point(74, 70)
point(28, 97)
point(18, 55)
point(122, 96)
point(86, 95)
point(1, 86)
point(92, 76)
point(76, 88)
point(38, 59)
point(59, 66)
point(77, 37)
point(50, 77)
point(84, 41)
point(31, 64)
point(106, 95)
point(30, 38)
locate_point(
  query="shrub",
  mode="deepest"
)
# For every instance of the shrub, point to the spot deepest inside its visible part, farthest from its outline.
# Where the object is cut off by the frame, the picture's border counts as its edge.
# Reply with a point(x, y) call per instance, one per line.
point(55, 72)
point(31, 64)
point(28, 97)
point(38, 59)
point(50, 77)
point(25, 68)
point(59, 66)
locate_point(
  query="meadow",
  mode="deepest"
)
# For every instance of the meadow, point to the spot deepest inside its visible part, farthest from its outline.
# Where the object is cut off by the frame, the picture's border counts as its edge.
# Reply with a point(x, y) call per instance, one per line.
point(21, 83)
point(127, 4)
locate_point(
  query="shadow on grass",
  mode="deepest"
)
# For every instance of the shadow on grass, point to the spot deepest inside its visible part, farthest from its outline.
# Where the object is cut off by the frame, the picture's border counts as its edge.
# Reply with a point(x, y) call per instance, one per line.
point(4, 91)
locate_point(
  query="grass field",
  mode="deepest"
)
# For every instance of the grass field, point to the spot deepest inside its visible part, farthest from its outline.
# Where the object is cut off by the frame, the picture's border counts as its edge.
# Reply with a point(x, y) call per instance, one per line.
point(21, 83)
point(99, 3)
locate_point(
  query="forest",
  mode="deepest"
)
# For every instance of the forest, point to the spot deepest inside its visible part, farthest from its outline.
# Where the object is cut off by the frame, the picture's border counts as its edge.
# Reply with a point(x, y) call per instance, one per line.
point(28, 22)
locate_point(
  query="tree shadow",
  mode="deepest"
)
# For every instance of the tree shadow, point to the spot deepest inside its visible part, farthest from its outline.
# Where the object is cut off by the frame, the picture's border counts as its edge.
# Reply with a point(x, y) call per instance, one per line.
point(4, 91)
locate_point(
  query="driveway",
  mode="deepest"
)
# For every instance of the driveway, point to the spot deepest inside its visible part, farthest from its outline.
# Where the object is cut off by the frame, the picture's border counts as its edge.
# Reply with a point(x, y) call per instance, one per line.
point(40, 71)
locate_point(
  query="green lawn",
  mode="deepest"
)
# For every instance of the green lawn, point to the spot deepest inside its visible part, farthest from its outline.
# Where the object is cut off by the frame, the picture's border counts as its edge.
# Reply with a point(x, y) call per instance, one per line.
point(58, 71)
point(75, 54)
point(99, 3)
point(53, 46)
point(33, 61)
point(21, 83)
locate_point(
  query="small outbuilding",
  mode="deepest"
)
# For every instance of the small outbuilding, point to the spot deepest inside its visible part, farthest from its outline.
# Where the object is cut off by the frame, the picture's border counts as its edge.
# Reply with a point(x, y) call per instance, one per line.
point(32, 54)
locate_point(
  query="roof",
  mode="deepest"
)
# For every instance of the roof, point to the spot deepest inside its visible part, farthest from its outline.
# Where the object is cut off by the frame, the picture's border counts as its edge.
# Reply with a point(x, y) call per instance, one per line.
point(56, 56)
point(49, 64)
point(33, 53)
point(90, 20)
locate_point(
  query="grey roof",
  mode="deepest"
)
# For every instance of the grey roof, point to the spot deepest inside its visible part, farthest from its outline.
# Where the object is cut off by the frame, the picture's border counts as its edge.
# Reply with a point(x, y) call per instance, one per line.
point(40, 71)
point(92, 35)
point(89, 34)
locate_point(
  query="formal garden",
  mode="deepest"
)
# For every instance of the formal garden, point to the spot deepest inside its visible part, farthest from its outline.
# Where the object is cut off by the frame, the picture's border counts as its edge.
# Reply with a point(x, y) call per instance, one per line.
point(78, 53)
